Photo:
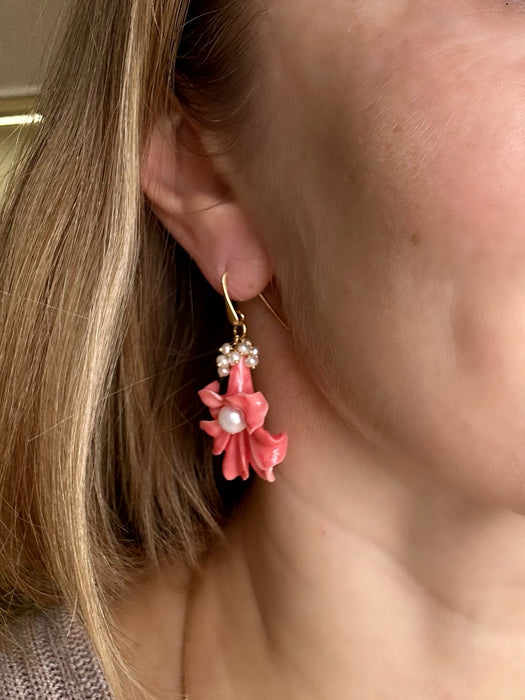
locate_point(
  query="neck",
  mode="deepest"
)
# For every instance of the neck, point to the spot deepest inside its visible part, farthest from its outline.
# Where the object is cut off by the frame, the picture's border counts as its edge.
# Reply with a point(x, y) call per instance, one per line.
point(353, 575)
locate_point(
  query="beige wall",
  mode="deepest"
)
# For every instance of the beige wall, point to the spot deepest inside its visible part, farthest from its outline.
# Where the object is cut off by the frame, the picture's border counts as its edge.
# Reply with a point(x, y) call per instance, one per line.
point(27, 30)
point(10, 141)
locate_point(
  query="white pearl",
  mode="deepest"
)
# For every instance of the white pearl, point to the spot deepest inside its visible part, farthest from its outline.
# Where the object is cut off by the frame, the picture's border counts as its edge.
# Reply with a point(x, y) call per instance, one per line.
point(243, 349)
point(234, 358)
point(254, 352)
point(226, 349)
point(223, 371)
point(231, 420)
point(252, 361)
point(223, 361)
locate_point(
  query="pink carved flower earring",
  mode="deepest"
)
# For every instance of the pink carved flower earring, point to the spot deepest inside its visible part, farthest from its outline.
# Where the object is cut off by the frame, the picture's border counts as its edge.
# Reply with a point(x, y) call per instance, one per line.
point(238, 415)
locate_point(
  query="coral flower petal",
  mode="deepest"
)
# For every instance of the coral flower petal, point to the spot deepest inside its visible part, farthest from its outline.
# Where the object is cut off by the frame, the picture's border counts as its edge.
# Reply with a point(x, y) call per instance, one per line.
point(221, 442)
point(254, 408)
point(220, 437)
point(235, 461)
point(211, 427)
point(211, 398)
point(240, 380)
point(266, 451)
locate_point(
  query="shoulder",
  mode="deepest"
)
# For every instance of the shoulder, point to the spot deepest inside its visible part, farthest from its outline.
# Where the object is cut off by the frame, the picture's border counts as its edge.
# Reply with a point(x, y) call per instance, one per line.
point(49, 655)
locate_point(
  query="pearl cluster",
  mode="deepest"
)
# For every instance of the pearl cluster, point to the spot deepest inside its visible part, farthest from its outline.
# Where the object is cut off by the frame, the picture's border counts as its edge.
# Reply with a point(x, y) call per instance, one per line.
point(231, 354)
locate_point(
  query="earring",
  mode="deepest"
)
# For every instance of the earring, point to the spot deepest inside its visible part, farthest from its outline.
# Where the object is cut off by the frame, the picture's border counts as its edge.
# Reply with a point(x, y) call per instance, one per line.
point(238, 415)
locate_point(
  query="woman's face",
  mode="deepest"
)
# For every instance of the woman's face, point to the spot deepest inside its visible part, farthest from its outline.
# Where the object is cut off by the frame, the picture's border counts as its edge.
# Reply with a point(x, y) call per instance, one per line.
point(398, 157)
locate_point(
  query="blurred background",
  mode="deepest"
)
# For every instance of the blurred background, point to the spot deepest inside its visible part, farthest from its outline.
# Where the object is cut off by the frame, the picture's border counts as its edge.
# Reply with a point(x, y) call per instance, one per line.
point(28, 28)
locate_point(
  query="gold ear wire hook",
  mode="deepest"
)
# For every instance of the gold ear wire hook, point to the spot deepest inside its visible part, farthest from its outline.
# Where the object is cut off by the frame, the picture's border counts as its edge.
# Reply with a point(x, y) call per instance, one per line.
point(236, 318)
point(233, 316)
point(273, 311)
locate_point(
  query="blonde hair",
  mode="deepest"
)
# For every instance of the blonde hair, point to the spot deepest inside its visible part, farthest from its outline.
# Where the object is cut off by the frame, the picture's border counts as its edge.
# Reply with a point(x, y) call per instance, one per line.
point(107, 329)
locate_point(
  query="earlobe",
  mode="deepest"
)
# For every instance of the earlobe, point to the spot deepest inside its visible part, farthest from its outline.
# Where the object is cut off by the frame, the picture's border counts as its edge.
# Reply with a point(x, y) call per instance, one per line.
point(199, 208)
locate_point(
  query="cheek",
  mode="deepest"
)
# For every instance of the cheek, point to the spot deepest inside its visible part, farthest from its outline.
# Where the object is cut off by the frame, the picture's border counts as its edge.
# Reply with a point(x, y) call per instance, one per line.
point(412, 199)
point(437, 289)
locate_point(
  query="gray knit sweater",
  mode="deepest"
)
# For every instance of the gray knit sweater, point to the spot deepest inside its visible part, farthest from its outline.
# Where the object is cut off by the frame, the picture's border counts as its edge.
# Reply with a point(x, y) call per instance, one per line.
point(52, 658)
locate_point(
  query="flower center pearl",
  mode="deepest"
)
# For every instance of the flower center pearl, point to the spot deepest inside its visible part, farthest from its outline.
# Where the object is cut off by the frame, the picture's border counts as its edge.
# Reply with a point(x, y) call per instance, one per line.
point(231, 420)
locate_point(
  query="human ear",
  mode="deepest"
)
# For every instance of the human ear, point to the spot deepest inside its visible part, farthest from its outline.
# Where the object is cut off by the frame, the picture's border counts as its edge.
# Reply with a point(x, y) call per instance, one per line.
point(198, 206)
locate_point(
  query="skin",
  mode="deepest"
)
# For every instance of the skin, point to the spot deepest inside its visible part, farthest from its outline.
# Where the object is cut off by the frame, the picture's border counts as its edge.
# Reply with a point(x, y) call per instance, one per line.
point(387, 559)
